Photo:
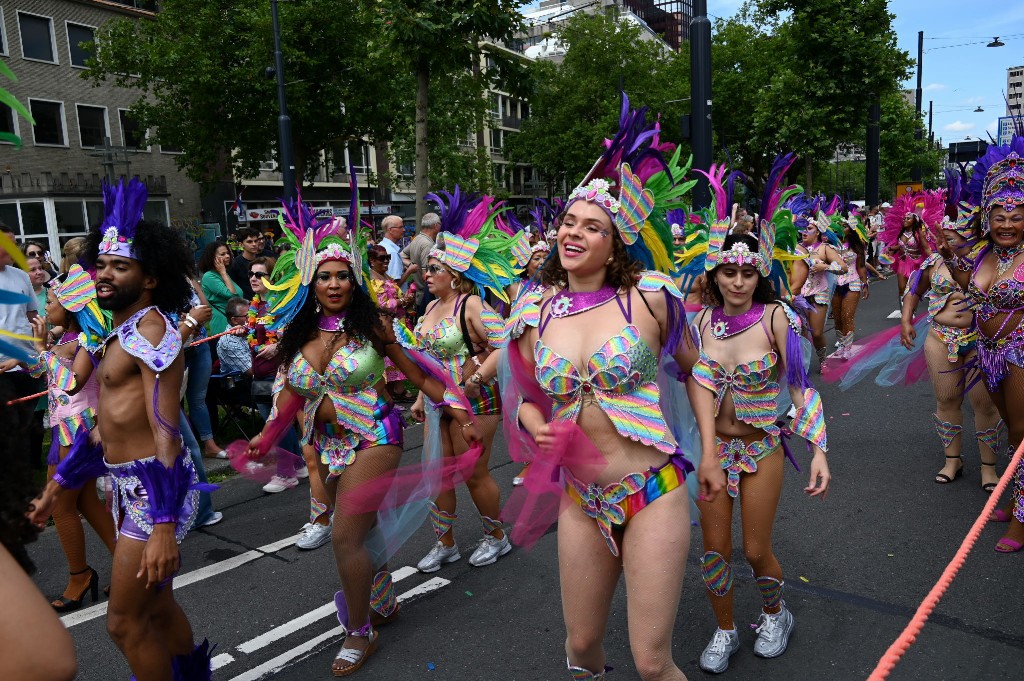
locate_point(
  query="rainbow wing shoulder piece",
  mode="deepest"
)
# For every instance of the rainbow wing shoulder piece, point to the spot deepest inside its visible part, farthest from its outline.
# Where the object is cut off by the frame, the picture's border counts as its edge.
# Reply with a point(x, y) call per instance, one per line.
point(635, 205)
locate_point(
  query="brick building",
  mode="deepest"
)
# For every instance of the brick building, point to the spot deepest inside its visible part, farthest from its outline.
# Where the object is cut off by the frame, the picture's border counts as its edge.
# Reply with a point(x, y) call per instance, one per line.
point(50, 189)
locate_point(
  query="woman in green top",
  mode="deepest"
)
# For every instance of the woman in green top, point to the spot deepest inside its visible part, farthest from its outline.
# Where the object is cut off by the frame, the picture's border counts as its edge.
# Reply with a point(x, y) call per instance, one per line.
point(217, 284)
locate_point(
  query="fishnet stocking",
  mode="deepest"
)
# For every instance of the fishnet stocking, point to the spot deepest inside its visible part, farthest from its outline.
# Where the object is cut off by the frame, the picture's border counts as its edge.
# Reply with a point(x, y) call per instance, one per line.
point(759, 499)
point(1008, 401)
point(947, 384)
point(482, 488)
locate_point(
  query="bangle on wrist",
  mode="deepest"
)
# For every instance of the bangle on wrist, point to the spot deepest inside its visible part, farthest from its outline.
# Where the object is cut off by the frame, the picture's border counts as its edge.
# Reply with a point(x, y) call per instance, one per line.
point(189, 323)
point(465, 425)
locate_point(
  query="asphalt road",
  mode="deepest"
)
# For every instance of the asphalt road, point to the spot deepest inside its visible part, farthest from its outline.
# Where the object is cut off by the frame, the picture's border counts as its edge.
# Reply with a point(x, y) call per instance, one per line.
point(856, 567)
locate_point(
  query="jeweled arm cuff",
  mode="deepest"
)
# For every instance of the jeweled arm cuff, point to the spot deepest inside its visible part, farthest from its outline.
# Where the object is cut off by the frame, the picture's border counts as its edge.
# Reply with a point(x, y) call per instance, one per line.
point(835, 266)
point(809, 422)
point(452, 400)
point(165, 486)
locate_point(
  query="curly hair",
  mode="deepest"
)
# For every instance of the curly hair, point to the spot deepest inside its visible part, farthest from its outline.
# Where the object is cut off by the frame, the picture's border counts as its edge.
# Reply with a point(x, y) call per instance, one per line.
point(917, 224)
point(622, 272)
point(763, 293)
point(163, 254)
point(362, 321)
point(855, 242)
point(208, 255)
point(16, 493)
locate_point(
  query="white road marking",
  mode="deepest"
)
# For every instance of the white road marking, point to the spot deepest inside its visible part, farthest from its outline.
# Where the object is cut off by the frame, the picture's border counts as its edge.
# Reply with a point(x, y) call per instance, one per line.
point(305, 620)
point(219, 661)
point(424, 588)
point(298, 652)
point(184, 580)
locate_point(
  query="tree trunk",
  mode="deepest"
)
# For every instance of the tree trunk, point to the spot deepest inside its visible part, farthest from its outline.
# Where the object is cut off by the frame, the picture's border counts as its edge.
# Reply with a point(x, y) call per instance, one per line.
point(483, 166)
point(382, 195)
point(422, 181)
point(808, 174)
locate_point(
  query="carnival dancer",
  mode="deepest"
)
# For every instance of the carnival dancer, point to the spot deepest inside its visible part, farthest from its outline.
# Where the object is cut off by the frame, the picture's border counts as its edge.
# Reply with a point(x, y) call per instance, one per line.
point(585, 369)
point(463, 334)
point(390, 299)
point(71, 305)
point(741, 350)
point(905, 234)
point(851, 286)
point(333, 345)
point(993, 278)
point(140, 278)
point(817, 273)
point(950, 344)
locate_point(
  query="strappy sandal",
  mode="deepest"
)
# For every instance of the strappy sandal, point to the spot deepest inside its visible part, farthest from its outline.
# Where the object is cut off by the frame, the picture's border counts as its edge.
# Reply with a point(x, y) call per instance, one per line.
point(989, 486)
point(1007, 545)
point(355, 659)
point(944, 479)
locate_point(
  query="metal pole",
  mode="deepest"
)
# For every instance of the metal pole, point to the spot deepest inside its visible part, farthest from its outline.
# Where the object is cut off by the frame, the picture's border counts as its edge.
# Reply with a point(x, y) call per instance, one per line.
point(700, 97)
point(871, 157)
point(284, 123)
point(915, 173)
point(930, 135)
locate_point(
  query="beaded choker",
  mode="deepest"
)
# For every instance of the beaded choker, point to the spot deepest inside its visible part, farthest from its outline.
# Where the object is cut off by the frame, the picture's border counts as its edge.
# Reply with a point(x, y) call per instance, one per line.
point(567, 303)
point(331, 322)
point(1005, 257)
point(724, 326)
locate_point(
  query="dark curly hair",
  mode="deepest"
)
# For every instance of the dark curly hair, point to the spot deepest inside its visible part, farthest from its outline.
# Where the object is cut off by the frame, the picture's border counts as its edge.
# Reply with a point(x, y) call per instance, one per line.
point(622, 273)
point(164, 255)
point(17, 491)
point(362, 321)
point(207, 256)
point(763, 293)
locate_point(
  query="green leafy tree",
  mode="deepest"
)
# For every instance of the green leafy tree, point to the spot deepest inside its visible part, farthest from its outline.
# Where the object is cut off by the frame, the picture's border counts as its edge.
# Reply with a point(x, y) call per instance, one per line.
point(575, 104)
point(437, 39)
point(201, 68)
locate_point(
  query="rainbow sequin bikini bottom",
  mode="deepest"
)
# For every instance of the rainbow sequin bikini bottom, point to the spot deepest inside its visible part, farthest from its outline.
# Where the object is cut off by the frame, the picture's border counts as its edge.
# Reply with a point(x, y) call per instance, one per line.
point(614, 505)
point(741, 454)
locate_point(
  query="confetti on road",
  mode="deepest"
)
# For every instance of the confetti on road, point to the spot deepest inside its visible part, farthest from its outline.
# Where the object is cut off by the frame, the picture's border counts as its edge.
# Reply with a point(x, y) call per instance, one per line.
point(804, 580)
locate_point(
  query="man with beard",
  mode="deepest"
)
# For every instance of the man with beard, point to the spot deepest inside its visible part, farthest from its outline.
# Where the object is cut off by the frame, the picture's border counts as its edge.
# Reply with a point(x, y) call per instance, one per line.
point(140, 278)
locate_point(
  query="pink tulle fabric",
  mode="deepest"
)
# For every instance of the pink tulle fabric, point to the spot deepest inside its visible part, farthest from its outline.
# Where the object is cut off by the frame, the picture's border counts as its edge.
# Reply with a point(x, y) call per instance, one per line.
point(535, 506)
point(875, 351)
point(275, 461)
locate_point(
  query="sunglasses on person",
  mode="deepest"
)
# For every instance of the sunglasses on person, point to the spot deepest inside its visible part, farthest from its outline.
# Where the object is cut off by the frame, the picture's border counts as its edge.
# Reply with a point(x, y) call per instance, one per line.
point(34, 254)
point(435, 270)
point(385, 258)
point(256, 273)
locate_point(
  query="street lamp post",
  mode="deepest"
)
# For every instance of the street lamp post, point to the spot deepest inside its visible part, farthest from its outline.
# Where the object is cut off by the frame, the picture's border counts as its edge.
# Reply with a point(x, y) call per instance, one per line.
point(700, 95)
point(284, 122)
point(915, 173)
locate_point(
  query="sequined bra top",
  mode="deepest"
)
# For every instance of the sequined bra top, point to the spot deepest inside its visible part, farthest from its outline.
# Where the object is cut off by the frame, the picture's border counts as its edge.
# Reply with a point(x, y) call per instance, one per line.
point(911, 247)
point(754, 385)
point(348, 380)
point(445, 341)
point(851, 274)
point(942, 287)
point(1004, 295)
point(817, 282)
point(620, 378)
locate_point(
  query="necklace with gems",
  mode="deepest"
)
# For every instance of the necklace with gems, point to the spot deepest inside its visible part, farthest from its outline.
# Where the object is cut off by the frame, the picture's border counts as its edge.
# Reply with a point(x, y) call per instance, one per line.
point(1005, 257)
point(331, 322)
point(567, 303)
point(724, 326)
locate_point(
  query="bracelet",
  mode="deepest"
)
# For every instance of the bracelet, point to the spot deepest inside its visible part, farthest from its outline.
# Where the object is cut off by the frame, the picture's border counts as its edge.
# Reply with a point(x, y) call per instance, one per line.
point(467, 424)
point(190, 323)
point(192, 319)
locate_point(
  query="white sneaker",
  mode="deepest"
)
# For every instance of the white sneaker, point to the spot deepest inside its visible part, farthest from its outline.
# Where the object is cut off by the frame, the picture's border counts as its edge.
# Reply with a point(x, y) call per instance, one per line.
point(313, 536)
point(279, 484)
point(715, 658)
point(213, 519)
point(438, 556)
point(895, 314)
point(302, 473)
point(489, 550)
point(773, 633)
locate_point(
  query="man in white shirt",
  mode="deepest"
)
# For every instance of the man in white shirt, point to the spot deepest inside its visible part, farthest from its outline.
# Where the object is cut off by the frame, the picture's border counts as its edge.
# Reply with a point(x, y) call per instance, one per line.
point(14, 382)
point(393, 230)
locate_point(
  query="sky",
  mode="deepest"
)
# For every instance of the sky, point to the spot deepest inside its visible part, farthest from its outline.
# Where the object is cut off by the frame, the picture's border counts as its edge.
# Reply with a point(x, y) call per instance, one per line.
point(959, 72)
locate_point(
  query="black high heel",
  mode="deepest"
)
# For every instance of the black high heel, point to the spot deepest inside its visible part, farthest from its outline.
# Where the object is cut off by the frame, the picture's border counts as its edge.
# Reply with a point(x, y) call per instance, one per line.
point(63, 604)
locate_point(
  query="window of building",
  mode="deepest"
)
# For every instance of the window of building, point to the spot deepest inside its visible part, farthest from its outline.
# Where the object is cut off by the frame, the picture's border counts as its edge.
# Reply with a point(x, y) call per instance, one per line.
point(70, 217)
point(495, 141)
point(132, 134)
point(170, 149)
point(79, 35)
point(92, 125)
point(50, 127)
point(359, 157)
point(156, 210)
point(33, 219)
point(8, 122)
point(37, 38)
point(3, 34)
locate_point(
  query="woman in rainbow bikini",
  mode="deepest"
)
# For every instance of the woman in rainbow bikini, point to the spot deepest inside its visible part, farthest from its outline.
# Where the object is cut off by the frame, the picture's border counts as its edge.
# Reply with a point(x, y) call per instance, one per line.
point(463, 334)
point(993, 279)
point(585, 368)
point(741, 347)
point(333, 348)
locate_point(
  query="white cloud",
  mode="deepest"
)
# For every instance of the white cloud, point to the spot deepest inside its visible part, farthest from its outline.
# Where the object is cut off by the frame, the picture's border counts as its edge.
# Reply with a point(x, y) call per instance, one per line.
point(992, 127)
point(958, 126)
point(934, 87)
point(971, 101)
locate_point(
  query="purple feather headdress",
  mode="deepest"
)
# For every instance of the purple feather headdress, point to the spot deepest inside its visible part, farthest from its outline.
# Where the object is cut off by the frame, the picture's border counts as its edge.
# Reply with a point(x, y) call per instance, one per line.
point(122, 211)
point(453, 207)
point(998, 178)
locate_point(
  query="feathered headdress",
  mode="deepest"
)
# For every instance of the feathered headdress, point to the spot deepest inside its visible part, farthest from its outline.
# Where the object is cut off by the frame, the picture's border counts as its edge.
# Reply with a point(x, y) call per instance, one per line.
point(998, 178)
point(960, 213)
point(634, 167)
point(928, 205)
point(311, 241)
point(76, 292)
point(471, 243)
point(123, 204)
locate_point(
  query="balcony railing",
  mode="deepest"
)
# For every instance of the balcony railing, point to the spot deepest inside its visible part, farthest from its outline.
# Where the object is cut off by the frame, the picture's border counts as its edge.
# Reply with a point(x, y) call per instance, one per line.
point(512, 122)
